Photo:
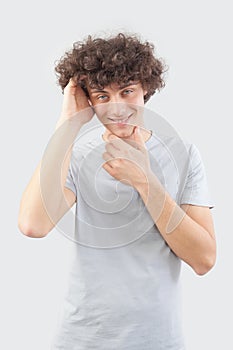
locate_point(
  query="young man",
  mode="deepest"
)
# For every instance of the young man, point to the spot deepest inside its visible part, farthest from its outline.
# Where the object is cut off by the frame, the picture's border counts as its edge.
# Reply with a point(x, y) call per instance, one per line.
point(124, 290)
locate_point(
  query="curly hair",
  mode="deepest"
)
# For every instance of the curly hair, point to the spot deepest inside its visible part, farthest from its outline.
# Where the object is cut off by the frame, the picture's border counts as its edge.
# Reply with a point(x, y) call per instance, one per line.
point(121, 59)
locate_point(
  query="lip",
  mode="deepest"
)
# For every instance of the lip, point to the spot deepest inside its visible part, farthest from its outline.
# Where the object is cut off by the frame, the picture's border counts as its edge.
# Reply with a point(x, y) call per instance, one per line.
point(120, 121)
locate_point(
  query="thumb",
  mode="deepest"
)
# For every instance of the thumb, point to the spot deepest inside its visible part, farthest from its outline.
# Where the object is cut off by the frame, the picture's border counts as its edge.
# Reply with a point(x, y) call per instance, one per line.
point(138, 137)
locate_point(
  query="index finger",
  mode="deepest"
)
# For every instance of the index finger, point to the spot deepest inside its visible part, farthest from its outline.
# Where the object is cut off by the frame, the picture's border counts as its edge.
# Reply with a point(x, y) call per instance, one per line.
point(123, 144)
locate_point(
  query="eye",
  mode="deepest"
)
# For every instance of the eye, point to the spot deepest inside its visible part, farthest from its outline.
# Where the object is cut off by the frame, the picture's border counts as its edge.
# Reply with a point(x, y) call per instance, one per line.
point(101, 97)
point(127, 91)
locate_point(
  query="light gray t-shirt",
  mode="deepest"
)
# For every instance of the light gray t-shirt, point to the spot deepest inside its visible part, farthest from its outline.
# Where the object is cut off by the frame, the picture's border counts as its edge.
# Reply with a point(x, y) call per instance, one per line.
point(124, 287)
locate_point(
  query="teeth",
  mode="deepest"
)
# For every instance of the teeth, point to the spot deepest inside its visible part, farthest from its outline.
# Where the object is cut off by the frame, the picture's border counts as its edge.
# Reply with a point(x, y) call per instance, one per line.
point(120, 120)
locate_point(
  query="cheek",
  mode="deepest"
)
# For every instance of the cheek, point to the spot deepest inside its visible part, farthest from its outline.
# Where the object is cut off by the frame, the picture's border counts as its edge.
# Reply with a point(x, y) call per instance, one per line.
point(100, 110)
point(137, 100)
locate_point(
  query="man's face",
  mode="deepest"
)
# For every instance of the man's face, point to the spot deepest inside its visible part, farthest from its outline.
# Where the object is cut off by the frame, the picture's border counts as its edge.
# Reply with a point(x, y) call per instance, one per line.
point(119, 108)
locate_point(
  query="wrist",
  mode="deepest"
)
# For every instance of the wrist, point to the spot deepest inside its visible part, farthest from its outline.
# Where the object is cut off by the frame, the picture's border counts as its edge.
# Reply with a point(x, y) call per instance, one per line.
point(146, 181)
point(78, 118)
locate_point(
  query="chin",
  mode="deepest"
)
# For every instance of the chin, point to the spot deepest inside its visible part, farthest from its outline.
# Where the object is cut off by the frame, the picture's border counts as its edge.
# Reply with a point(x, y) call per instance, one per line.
point(122, 131)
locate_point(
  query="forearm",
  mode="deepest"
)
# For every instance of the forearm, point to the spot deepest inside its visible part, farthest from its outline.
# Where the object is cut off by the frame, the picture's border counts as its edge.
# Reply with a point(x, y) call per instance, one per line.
point(188, 240)
point(43, 197)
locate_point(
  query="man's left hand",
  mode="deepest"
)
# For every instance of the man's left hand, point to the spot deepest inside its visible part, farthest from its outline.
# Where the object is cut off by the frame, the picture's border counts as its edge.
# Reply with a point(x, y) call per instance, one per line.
point(127, 161)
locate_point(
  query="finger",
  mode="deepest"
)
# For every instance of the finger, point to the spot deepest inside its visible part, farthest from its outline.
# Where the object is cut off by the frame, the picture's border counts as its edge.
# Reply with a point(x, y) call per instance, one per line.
point(118, 143)
point(137, 135)
point(107, 156)
point(82, 77)
point(81, 96)
point(69, 102)
point(137, 142)
point(111, 161)
point(108, 168)
point(72, 82)
point(70, 86)
point(77, 91)
point(114, 152)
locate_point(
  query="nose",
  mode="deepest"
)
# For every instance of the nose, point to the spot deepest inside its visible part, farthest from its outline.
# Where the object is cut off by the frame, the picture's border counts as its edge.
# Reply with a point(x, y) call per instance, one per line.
point(117, 109)
point(114, 110)
point(117, 106)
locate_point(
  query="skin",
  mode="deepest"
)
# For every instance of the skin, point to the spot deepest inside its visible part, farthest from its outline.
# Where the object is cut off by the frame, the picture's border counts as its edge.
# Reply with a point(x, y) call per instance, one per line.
point(187, 229)
point(120, 102)
point(45, 200)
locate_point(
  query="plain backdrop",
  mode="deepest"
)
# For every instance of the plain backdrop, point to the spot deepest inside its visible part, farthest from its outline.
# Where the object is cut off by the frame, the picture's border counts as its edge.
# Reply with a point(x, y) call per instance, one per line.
point(195, 40)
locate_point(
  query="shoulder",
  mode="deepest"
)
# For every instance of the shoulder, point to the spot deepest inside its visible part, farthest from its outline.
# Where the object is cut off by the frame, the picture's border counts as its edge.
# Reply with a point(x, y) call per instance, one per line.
point(180, 149)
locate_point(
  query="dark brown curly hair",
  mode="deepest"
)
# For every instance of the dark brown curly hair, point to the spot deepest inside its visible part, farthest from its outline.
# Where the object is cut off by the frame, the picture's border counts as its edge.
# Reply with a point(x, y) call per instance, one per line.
point(121, 59)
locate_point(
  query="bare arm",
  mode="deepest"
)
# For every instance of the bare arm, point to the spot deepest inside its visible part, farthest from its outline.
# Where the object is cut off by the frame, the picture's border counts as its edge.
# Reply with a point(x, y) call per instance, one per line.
point(188, 230)
point(45, 199)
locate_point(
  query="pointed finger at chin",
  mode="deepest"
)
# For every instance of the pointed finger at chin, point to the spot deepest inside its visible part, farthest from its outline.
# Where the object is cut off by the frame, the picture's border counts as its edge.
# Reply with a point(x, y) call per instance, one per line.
point(107, 156)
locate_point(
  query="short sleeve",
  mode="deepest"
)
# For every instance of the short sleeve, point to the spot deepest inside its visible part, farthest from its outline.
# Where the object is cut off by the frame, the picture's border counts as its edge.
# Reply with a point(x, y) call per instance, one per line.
point(195, 190)
point(70, 181)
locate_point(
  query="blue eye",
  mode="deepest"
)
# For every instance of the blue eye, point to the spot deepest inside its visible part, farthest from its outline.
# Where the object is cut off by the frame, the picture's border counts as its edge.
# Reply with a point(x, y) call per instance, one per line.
point(101, 97)
point(128, 91)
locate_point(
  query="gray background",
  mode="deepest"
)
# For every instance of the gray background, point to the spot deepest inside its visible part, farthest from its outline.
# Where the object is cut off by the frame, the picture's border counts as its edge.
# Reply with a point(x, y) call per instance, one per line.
point(194, 38)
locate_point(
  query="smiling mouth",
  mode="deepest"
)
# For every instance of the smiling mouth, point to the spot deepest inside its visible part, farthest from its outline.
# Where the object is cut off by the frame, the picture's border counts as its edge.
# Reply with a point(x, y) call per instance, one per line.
point(120, 121)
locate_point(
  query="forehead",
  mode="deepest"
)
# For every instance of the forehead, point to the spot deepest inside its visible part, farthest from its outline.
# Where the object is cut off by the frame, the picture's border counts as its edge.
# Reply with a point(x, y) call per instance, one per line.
point(114, 86)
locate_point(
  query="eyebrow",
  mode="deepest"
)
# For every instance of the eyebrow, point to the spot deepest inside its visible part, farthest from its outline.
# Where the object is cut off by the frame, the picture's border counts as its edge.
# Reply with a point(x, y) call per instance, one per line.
point(121, 87)
point(96, 90)
point(126, 85)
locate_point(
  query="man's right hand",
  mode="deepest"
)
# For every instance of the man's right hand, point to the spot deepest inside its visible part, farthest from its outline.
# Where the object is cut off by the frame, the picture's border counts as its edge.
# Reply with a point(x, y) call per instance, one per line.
point(75, 101)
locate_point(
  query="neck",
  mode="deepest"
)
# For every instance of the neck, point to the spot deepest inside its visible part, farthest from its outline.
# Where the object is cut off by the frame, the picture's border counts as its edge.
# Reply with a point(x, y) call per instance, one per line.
point(146, 134)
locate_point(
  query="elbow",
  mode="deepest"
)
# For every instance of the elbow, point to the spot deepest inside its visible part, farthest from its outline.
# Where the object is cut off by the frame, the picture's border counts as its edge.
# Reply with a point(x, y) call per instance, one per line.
point(205, 266)
point(206, 260)
point(203, 270)
point(30, 231)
